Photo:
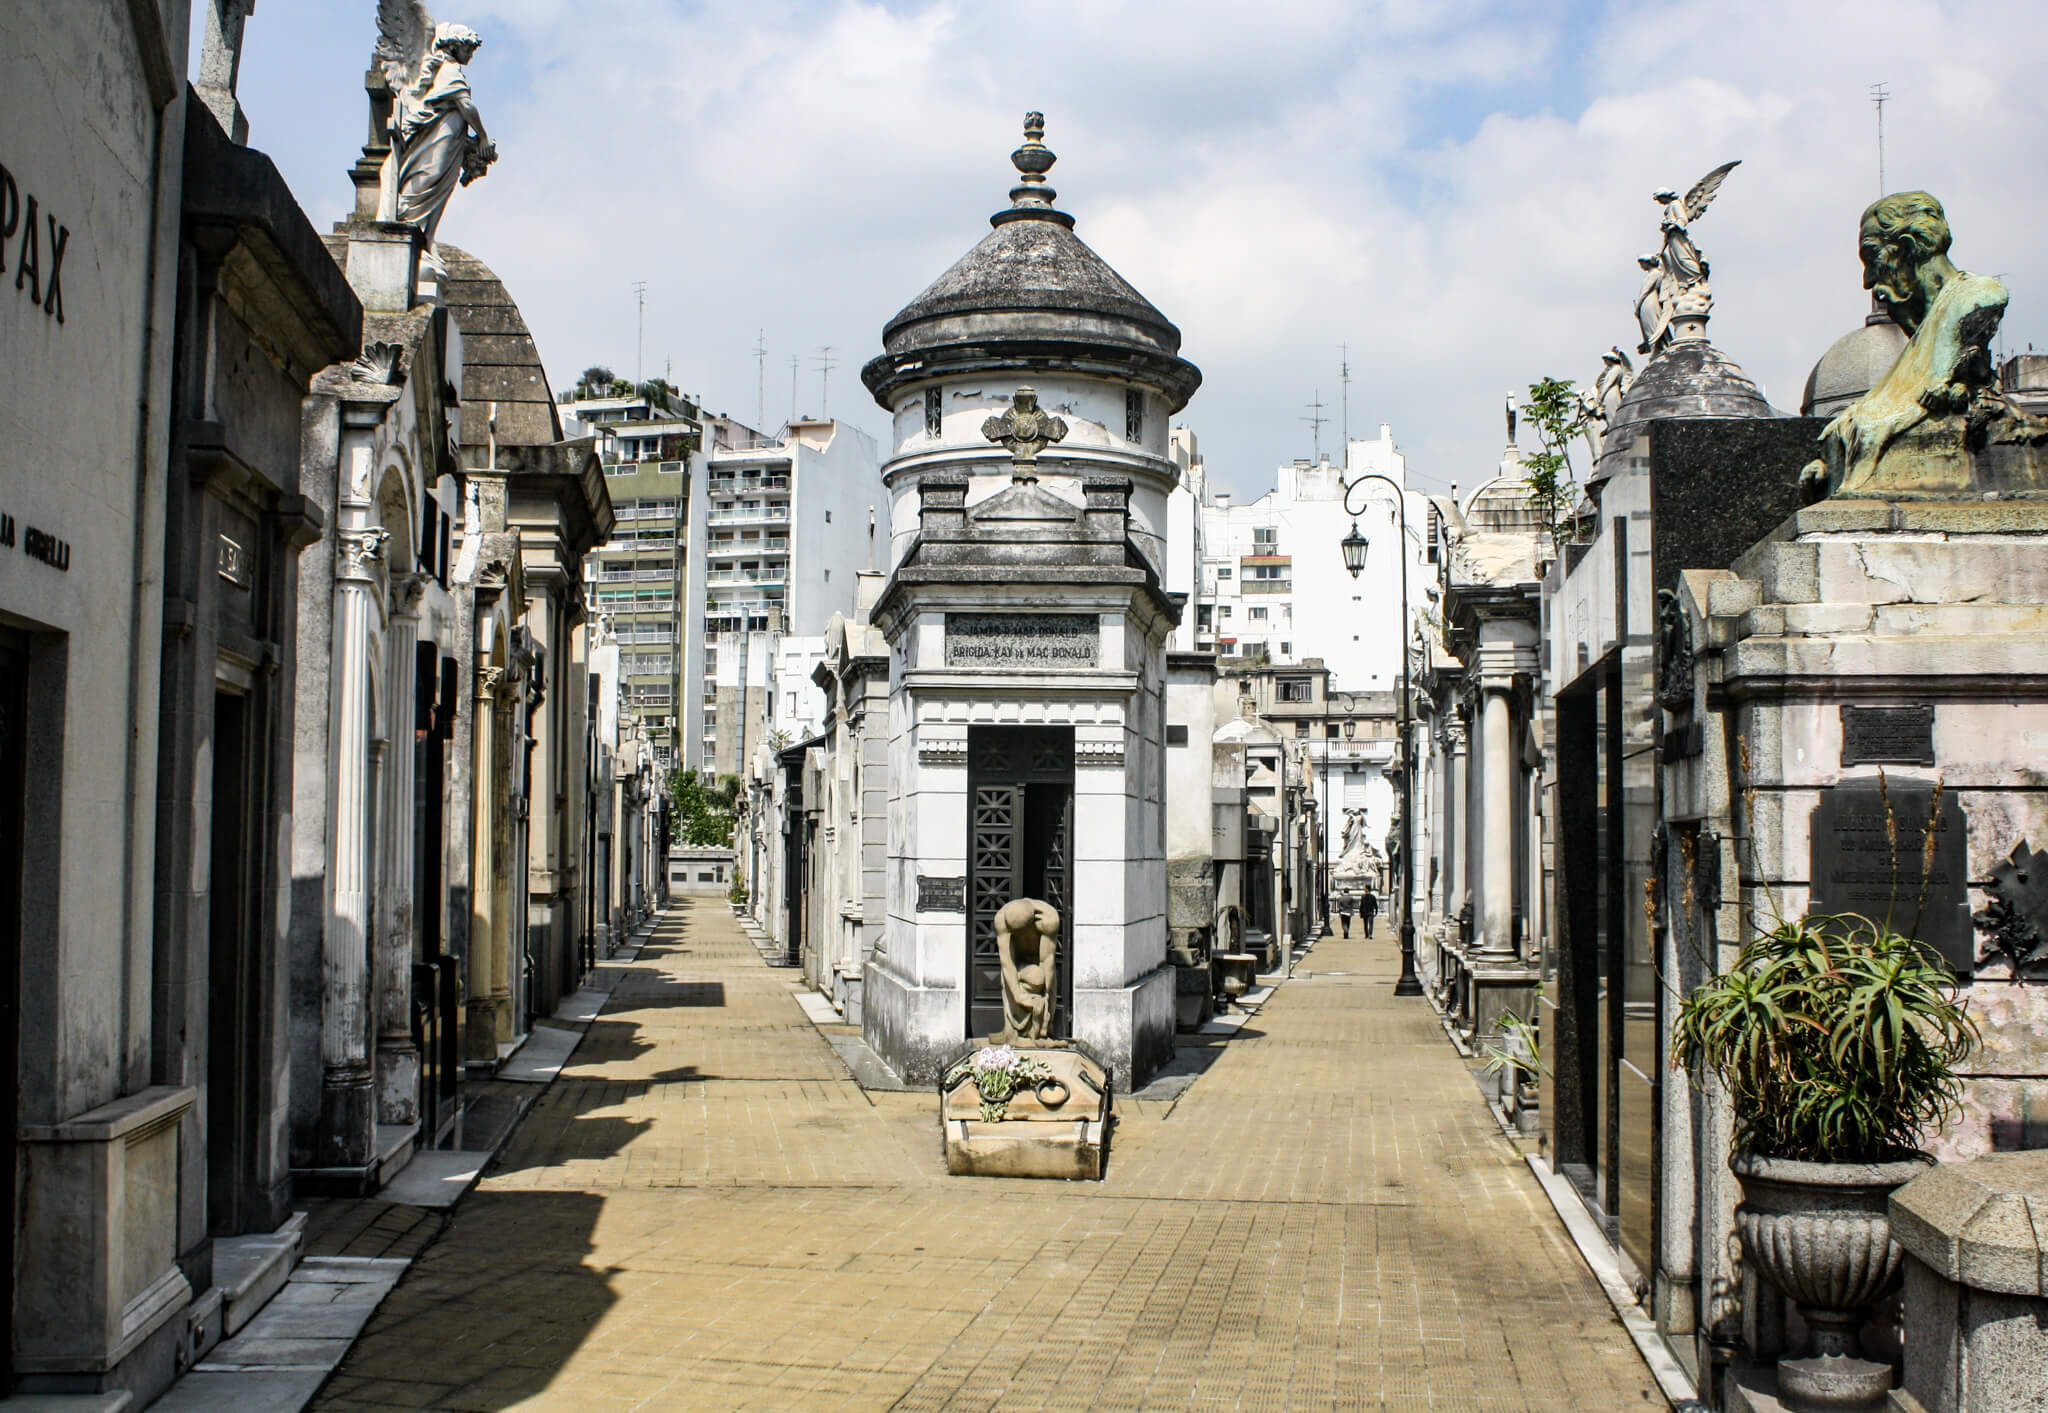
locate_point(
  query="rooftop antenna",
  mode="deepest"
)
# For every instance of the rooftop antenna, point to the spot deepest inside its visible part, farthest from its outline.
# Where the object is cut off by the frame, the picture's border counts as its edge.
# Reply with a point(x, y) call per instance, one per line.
point(760, 377)
point(1315, 421)
point(1344, 400)
point(1880, 94)
point(794, 363)
point(826, 363)
point(640, 353)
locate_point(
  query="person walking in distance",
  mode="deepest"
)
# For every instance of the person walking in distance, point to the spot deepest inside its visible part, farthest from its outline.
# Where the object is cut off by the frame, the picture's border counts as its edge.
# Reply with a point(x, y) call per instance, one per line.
point(1346, 906)
point(1368, 908)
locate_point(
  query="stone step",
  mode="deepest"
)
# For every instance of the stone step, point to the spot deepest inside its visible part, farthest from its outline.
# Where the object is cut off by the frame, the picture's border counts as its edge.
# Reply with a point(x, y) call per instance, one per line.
point(250, 1269)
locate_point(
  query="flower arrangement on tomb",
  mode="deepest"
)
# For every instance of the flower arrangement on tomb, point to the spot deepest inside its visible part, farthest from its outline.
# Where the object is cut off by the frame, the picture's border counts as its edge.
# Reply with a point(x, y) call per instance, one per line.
point(999, 1072)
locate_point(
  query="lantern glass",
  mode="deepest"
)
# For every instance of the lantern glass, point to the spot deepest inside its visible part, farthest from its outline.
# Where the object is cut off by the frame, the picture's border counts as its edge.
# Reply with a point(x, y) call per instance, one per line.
point(1354, 546)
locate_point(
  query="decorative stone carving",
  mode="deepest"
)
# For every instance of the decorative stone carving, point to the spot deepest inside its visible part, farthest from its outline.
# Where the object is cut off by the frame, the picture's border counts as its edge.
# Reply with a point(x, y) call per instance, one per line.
point(1674, 653)
point(1675, 298)
point(1027, 944)
point(1026, 430)
point(358, 552)
point(433, 147)
point(1099, 753)
point(2015, 915)
point(379, 362)
point(1935, 425)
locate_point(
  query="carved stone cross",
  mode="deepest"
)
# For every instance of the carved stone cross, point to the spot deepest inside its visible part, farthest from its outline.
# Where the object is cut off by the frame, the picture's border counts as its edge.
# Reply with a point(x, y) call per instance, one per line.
point(1025, 430)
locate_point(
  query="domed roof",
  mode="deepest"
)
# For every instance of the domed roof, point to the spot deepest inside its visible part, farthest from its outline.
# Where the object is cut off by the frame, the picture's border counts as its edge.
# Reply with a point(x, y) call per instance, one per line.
point(500, 362)
point(1031, 292)
point(1853, 364)
point(1687, 378)
point(1505, 503)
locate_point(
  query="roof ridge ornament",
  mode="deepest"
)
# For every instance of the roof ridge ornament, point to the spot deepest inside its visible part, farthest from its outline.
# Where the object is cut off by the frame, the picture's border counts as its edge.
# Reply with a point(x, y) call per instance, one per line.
point(1026, 430)
point(1031, 199)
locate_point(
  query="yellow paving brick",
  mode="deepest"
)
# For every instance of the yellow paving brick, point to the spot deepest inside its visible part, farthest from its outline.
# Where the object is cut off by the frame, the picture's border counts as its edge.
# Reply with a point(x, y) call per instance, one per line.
point(706, 1212)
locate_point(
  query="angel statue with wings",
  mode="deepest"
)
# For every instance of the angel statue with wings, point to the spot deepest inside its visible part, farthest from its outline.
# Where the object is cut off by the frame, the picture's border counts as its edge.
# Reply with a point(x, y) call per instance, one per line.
point(1677, 277)
point(437, 139)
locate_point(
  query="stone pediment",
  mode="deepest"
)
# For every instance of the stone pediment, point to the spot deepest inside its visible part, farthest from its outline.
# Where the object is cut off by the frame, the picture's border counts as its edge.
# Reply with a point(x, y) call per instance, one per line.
point(1024, 504)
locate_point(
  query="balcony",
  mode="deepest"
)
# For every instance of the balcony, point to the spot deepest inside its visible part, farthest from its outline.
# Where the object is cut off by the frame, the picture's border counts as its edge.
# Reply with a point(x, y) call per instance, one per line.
point(1266, 586)
point(749, 515)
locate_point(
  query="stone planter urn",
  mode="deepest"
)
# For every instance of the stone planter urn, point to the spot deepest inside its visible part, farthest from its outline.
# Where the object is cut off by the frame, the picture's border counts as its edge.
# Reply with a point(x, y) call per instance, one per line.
point(1819, 1232)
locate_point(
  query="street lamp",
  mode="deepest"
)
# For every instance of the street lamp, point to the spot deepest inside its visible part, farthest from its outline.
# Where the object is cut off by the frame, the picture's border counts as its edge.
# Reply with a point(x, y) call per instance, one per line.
point(1354, 546)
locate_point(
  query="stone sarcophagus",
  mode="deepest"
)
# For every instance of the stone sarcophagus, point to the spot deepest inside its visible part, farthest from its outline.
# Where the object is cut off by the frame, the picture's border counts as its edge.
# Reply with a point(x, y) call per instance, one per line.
point(1036, 1111)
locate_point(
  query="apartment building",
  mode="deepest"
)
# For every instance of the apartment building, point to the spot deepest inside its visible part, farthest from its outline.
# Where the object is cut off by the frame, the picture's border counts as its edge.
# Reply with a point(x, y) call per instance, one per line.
point(635, 579)
point(778, 527)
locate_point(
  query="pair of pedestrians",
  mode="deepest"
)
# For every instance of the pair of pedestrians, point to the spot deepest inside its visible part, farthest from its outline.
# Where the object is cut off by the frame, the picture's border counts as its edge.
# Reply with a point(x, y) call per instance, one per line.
point(1366, 905)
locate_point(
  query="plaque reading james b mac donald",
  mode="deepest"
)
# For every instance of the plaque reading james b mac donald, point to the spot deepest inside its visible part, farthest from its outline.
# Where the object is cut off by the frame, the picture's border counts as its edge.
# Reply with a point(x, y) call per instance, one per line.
point(1022, 639)
point(1857, 868)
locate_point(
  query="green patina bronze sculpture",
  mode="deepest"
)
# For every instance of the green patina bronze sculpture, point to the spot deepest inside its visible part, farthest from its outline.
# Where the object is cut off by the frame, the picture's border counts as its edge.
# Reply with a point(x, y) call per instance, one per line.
point(1936, 425)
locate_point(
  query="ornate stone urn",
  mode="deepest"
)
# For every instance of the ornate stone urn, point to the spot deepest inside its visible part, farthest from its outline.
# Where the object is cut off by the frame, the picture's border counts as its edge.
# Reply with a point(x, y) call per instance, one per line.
point(1819, 1233)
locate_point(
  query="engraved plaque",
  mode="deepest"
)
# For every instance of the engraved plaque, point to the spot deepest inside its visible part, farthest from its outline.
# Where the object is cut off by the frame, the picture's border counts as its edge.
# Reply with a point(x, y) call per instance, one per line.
point(1888, 735)
point(941, 895)
point(1854, 869)
point(1022, 639)
point(233, 563)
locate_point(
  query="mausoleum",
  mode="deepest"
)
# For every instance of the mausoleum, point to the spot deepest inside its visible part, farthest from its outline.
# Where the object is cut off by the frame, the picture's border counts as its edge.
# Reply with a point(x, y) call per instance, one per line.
point(1027, 624)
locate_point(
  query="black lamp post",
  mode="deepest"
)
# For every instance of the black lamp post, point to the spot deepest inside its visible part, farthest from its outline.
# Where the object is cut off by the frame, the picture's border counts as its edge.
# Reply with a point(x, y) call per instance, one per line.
point(1354, 546)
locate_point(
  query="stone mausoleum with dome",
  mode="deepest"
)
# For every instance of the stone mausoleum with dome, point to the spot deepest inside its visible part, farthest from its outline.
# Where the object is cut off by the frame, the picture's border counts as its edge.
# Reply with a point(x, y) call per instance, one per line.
point(1030, 389)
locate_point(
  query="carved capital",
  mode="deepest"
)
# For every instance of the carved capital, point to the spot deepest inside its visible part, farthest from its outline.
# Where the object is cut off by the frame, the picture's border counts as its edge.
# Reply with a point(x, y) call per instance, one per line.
point(359, 552)
point(406, 592)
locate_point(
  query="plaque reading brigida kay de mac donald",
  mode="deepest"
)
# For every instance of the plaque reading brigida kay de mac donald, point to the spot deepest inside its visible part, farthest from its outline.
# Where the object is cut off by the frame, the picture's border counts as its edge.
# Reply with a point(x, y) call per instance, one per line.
point(1022, 639)
point(1858, 868)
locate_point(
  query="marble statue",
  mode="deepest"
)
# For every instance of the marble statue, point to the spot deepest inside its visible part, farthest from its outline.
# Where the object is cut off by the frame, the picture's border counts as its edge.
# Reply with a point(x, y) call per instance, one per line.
point(1026, 430)
point(1028, 945)
point(437, 139)
point(1675, 278)
point(1599, 402)
point(1935, 424)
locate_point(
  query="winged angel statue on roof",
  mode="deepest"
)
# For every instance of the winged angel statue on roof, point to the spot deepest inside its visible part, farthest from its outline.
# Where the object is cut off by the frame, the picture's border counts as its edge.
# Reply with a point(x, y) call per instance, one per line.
point(1675, 285)
point(437, 139)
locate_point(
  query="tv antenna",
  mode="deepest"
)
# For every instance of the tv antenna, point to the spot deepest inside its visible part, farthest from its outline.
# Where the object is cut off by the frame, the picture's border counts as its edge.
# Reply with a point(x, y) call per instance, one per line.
point(760, 377)
point(794, 363)
point(640, 343)
point(826, 363)
point(1315, 420)
point(1880, 94)
point(1344, 399)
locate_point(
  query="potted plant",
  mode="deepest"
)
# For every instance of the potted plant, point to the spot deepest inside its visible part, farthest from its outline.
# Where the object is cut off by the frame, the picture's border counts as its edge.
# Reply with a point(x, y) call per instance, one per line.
point(1837, 1041)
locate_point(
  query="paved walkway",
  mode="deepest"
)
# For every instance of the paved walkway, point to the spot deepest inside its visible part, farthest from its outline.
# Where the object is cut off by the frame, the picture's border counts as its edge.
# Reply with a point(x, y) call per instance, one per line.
point(705, 1212)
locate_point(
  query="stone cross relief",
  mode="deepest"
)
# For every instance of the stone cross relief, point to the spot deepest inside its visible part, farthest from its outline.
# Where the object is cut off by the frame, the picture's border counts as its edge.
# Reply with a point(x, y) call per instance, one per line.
point(1026, 430)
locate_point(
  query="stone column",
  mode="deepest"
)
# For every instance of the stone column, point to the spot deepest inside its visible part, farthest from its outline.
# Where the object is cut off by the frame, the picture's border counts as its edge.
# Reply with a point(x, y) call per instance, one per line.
point(1496, 893)
point(347, 1108)
point(398, 1060)
point(1458, 833)
point(487, 1016)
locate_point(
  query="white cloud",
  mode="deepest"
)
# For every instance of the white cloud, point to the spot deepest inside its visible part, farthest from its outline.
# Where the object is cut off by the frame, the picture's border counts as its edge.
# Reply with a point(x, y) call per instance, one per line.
point(1456, 190)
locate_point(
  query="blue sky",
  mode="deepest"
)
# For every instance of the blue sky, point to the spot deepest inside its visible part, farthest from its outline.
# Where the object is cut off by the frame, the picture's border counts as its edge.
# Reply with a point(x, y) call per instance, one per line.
point(1455, 189)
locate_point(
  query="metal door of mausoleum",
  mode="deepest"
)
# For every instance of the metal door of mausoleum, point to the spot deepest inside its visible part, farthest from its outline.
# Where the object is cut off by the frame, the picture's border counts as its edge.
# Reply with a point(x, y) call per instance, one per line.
point(1020, 793)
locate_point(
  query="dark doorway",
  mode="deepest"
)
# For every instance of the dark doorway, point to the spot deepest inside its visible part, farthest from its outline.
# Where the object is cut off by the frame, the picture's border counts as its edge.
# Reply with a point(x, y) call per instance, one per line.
point(1020, 787)
point(13, 779)
point(231, 1027)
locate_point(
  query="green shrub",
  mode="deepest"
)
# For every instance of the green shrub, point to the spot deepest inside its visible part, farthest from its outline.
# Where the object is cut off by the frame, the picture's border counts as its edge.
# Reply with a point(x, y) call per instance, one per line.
point(1836, 1038)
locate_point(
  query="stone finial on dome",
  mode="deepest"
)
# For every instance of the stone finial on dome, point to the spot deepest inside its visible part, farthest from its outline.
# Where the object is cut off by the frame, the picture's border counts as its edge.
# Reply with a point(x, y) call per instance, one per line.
point(1031, 199)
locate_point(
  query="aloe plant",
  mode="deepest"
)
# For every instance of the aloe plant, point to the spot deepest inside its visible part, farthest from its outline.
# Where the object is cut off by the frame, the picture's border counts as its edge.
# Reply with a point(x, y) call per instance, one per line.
point(1836, 1038)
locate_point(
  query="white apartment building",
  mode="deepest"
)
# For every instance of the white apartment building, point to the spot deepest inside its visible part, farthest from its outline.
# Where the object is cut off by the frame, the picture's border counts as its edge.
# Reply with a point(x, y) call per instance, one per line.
point(1184, 533)
point(1274, 592)
point(778, 529)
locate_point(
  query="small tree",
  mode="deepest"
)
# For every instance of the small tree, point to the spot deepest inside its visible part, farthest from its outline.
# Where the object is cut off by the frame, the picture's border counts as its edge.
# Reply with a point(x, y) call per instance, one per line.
point(596, 380)
point(1556, 413)
point(703, 815)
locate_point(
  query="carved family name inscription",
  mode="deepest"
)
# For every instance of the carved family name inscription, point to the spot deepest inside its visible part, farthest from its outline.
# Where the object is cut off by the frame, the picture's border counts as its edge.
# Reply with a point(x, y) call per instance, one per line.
point(1888, 735)
point(1858, 869)
point(1022, 639)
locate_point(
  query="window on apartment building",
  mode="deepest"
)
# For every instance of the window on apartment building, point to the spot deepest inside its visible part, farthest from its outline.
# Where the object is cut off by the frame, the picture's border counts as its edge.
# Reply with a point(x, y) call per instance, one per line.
point(1257, 613)
point(1266, 536)
point(828, 517)
point(1222, 571)
point(1333, 731)
point(1223, 611)
point(1134, 415)
point(934, 410)
point(1287, 650)
point(1292, 689)
point(1301, 728)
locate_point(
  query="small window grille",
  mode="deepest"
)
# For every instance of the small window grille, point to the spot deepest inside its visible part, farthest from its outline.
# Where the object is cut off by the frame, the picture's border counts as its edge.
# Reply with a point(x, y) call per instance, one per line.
point(934, 405)
point(1134, 415)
